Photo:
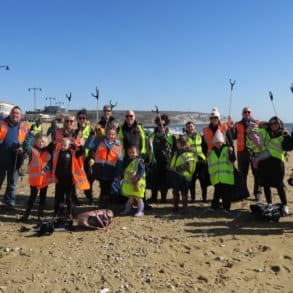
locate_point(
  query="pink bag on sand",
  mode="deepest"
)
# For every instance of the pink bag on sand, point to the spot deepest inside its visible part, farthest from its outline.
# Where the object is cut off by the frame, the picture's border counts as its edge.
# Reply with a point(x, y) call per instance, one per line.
point(96, 219)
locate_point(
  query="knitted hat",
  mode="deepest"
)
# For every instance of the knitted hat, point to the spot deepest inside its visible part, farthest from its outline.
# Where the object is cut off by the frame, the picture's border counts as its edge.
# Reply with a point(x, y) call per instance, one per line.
point(215, 113)
point(218, 137)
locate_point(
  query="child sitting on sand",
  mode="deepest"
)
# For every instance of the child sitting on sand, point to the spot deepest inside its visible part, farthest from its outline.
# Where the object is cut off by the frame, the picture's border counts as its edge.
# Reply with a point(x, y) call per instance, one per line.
point(133, 184)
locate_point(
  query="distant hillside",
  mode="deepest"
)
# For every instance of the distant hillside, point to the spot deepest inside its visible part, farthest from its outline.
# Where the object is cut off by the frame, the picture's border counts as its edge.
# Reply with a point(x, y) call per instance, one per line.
point(144, 117)
point(147, 117)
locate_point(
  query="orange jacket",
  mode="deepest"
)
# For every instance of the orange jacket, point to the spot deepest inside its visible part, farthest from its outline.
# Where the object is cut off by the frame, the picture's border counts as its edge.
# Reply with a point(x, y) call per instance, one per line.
point(78, 173)
point(37, 176)
point(105, 156)
point(241, 136)
point(22, 132)
point(208, 136)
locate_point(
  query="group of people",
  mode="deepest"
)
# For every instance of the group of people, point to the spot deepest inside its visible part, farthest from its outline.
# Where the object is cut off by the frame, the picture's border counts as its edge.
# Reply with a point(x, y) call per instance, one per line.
point(126, 161)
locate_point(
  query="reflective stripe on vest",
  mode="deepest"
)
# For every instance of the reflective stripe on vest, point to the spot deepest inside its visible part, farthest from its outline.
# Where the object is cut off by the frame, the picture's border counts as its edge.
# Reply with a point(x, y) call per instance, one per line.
point(209, 135)
point(195, 145)
point(183, 158)
point(104, 155)
point(78, 173)
point(275, 148)
point(38, 162)
point(220, 168)
point(22, 131)
point(128, 188)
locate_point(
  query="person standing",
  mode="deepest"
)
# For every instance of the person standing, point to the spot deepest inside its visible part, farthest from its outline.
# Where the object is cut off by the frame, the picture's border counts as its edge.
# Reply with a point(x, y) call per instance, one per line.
point(84, 131)
point(220, 166)
point(239, 132)
point(133, 184)
point(13, 132)
point(106, 117)
point(271, 171)
point(201, 170)
point(163, 145)
point(131, 133)
point(37, 127)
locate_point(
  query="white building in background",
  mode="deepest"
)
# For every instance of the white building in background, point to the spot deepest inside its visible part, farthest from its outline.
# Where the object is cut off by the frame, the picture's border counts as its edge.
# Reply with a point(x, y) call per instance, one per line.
point(5, 108)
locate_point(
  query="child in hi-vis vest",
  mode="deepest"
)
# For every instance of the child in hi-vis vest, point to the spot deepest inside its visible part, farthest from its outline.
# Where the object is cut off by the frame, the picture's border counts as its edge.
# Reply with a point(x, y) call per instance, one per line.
point(39, 173)
point(182, 167)
point(133, 184)
point(221, 171)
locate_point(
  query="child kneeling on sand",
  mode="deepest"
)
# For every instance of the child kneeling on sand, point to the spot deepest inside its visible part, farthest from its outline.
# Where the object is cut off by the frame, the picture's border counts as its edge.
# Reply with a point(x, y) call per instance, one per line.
point(133, 184)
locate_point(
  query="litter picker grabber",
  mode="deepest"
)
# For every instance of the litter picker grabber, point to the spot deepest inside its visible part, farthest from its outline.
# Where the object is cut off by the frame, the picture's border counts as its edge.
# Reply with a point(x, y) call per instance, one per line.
point(232, 83)
point(272, 100)
point(159, 115)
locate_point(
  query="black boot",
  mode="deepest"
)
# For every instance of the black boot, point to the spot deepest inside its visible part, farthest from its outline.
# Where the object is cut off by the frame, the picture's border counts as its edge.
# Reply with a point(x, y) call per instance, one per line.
point(25, 216)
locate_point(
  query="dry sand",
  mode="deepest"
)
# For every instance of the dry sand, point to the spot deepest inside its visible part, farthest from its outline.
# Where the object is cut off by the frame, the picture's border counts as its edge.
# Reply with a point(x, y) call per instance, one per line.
point(203, 251)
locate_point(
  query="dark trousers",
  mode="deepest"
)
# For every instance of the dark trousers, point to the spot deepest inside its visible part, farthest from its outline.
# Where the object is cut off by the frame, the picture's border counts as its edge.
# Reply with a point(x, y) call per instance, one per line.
point(198, 175)
point(63, 188)
point(223, 191)
point(105, 191)
point(244, 162)
point(281, 193)
point(33, 196)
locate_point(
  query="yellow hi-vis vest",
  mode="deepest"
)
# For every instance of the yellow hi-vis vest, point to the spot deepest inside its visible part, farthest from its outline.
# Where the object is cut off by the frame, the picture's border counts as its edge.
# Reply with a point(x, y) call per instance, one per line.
point(195, 145)
point(143, 148)
point(220, 168)
point(274, 146)
point(179, 160)
point(37, 129)
point(128, 188)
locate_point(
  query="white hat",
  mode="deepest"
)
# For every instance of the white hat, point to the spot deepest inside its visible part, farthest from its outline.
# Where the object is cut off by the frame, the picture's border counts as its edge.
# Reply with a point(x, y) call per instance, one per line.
point(215, 113)
point(218, 137)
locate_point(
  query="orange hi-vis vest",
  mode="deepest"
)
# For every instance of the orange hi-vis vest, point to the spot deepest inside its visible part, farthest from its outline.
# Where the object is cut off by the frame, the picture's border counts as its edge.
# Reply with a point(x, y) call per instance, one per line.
point(241, 136)
point(104, 155)
point(22, 131)
point(78, 173)
point(208, 136)
point(59, 135)
point(37, 176)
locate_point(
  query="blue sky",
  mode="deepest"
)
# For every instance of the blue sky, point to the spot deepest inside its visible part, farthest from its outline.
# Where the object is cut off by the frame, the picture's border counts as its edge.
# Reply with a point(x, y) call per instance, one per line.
point(178, 55)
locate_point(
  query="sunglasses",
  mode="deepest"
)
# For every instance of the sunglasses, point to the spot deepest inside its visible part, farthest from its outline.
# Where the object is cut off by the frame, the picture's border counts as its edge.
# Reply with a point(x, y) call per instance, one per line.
point(246, 112)
point(107, 110)
point(274, 123)
point(129, 116)
point(81, 118)
point(69, 121)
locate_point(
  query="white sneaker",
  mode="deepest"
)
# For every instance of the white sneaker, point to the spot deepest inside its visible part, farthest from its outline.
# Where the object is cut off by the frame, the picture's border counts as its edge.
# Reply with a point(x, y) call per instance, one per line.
point(139, 214)
point(285, 210)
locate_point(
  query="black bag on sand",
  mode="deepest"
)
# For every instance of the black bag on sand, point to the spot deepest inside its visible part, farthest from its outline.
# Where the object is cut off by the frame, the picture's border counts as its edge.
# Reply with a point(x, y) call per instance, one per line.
point(239, 191)
point(266, 212)
point(55, 224)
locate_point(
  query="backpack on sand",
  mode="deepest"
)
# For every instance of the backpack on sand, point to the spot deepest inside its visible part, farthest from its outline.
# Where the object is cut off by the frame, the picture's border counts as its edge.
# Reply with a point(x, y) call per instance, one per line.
point(266, 212)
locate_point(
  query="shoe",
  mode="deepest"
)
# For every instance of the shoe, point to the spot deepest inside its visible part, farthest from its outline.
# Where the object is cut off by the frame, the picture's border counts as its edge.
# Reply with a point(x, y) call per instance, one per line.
point(139, 214)
point(152, 200)
point(147, 206)
point(258, 196)
point(285, 210)
point(192, 200)
point(175, 209)
point(125, 212)
point(163, 200)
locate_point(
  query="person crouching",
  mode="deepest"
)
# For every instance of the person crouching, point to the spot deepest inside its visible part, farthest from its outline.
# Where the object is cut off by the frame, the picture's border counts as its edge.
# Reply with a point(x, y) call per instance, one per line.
point(221, 171)
point(69, 172)
point(133, 184)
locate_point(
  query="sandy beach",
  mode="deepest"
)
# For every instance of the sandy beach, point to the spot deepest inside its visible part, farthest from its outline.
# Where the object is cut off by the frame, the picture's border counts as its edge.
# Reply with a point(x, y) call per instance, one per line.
point(202, 251)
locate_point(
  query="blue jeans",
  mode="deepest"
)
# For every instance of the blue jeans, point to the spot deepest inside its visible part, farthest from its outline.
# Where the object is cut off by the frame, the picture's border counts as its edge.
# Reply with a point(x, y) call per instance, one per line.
point(12, 178)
